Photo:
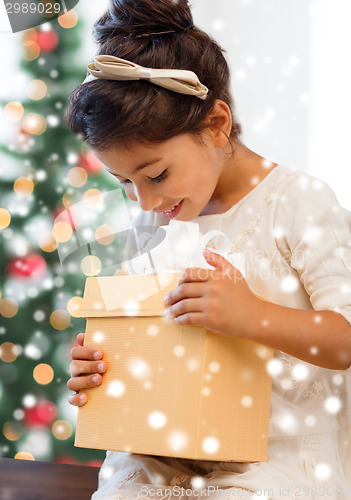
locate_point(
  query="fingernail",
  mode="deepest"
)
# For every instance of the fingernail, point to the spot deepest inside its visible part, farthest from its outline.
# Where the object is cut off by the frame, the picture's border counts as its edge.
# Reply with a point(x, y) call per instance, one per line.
point(82, 397)
point(98, 355)
point(96, 379)
point(167, 299)
point(101, 367)
point(167, 313)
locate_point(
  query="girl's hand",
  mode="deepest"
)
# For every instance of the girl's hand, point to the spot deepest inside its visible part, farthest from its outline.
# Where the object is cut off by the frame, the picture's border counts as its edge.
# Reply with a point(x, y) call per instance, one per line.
point(85, 370)
point(219, 300)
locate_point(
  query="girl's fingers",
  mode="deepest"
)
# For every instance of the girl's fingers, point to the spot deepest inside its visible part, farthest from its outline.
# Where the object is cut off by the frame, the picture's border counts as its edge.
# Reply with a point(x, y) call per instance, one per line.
point(84, 382)
point(84, 369)
point(78, 399)
point(192, 318)
point(195, 305)
point(195, 274)
point(78, 367)
point(80, 338)
point(81, 352)
point(190, 290)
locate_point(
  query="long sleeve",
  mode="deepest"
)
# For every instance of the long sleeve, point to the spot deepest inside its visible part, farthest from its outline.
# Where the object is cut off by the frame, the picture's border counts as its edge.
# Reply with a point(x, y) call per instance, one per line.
point(313, 232)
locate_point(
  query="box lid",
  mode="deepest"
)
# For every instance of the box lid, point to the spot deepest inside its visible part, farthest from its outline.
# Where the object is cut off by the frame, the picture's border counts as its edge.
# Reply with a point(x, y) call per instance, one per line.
point(116, 295)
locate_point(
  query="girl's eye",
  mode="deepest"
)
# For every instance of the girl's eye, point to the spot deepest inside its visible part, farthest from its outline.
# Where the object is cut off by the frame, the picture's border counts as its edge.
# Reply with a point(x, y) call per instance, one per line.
point(160, 177)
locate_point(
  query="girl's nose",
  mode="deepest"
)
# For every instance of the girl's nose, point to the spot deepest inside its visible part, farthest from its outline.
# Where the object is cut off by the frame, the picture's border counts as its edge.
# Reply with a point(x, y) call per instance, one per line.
point(148, 200)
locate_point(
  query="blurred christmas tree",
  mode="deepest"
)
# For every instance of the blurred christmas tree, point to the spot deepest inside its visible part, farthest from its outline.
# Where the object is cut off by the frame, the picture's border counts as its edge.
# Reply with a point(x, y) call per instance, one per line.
point(39, 299)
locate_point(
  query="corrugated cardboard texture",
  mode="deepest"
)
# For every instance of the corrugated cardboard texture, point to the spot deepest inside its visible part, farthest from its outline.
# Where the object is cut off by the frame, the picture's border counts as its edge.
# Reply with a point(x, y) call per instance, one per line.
point(170, 390)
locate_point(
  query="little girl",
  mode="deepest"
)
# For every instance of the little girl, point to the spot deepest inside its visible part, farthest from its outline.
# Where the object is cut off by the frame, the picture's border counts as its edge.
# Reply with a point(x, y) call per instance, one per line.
point(157, 110)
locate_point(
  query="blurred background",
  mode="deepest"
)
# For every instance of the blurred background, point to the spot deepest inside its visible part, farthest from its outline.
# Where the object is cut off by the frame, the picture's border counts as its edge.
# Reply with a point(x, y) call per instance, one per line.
point(291, 75)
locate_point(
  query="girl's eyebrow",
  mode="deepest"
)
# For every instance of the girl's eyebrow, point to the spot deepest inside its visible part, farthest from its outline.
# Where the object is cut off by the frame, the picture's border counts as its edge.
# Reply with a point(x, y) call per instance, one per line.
point(139, 167)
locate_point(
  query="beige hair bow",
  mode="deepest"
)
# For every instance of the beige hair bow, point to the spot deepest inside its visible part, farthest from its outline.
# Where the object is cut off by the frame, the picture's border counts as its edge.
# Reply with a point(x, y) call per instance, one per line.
point(113, 68)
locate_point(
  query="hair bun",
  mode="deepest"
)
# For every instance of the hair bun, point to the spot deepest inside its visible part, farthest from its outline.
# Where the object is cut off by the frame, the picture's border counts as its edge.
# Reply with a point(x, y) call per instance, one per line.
point(137, 17)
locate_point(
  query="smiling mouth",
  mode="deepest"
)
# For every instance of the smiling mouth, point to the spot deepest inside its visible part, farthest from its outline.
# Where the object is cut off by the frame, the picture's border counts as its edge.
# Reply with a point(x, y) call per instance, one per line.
point(168, 211)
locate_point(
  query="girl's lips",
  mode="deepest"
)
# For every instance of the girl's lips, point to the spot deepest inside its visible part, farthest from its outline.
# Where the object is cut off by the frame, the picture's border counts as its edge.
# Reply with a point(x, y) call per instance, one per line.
point(174, 212)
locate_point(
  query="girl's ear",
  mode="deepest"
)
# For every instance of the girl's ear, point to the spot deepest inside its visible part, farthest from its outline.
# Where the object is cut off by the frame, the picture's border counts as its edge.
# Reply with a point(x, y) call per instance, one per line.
point(220, 123)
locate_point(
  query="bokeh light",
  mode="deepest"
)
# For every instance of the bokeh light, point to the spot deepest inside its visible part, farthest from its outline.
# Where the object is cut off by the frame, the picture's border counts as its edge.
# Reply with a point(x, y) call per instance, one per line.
point(12, 431)
point(43, 374)
point(274, 367)
point(62, 429)
point(69, 199)
point(48, 38)
point(34, 124)
point(8, 352)
point(13, 111)
point(139, 368)
point(68, 20)
point(31, 35)
point(5, 218)
point(98, 337)
point(105, 234)
point(47, 242)
point(77, 177)
point(62, 231)
point(246, 401)
point(37, 90)
point(116, 389)
point(29, 401)
point(91, 265)
point(8, 307)
point(322, 471)
point(157, 420)
point(177, 440)
point(214, 367)
point(46, 411)
point(93, 198)
point(31, 50)
point(24, 455)
point(74, 306)
point(60, 319)
point(23, 186)
point(179, 350)
point(332, 404)
point(154, 330)
point(210, 445)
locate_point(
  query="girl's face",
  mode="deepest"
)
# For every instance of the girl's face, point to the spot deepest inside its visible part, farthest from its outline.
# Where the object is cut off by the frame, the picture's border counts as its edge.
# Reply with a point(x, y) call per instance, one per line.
point(176, 178)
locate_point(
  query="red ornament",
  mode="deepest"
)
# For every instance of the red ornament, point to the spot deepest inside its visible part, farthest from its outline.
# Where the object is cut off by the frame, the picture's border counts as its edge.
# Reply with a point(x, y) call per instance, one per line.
point(47, 40)
point(91, 164)
point(41, 415)
point(31, 417)
point(46, 412)
point(33, 266)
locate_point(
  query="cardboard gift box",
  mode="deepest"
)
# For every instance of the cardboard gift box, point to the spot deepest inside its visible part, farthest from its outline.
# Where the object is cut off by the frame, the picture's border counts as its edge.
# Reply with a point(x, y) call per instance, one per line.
point(170, 390)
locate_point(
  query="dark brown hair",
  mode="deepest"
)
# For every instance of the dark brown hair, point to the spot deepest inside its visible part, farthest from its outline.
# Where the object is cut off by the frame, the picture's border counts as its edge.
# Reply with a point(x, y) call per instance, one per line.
point(157, 34)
